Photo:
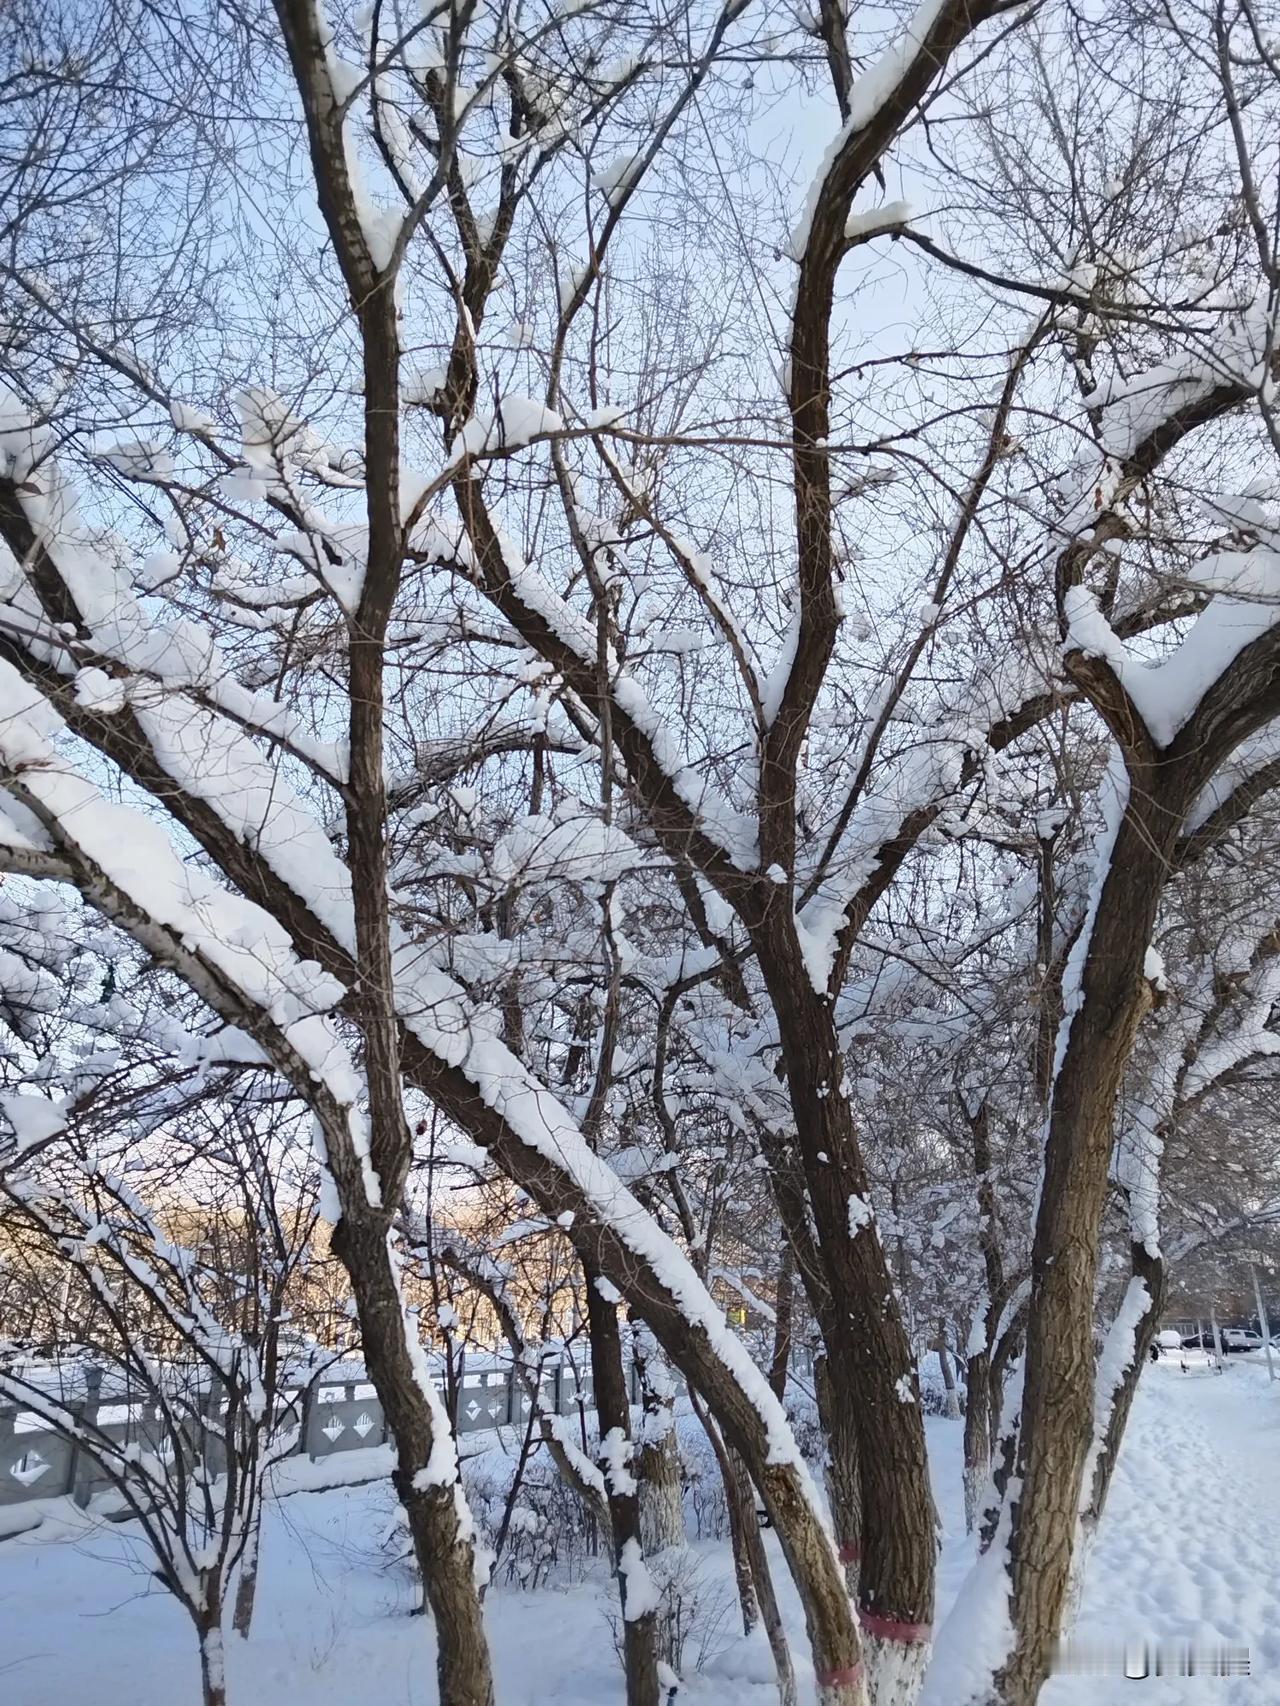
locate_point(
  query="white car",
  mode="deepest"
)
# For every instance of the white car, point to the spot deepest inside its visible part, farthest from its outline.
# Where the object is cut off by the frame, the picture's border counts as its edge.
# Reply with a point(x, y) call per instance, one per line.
point(1241, 1339)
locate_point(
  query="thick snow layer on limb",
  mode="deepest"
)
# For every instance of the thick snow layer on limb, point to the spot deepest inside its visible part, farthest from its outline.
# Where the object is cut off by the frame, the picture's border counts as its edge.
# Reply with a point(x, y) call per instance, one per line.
point(574, 847)
point(1137, 1171)
point(640, 1593)
point(517, 422)
point(1136, 408)
point(246, 944)
point(1237, 352)
point(164, 656)
point(1249, 758)
point(33, 1118)
point(433, 1008)
point(24, 446)
point(860, 226)
point(1244, 604)
point(867, 96)
point(615, 179)
point(1245, 1034)
point(19, 829)
point(380, 226)
point(1114, 795)
point(733, 832)
point(1118, 1352)
point(270, 434)
point(615, 1463)
point(773, 686)
point(566, 1436)
point(818, 929)
point(213, 761)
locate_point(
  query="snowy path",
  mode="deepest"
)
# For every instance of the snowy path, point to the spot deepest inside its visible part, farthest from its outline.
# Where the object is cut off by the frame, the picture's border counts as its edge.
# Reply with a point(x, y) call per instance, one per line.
point(1190, 1551)
point(1190, 1546)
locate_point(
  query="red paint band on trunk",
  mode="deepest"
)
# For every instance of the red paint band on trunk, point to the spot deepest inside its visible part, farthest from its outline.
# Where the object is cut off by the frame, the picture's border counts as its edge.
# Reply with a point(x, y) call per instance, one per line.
point(890, 1629)
point(848, 1553)
point(841, 1678)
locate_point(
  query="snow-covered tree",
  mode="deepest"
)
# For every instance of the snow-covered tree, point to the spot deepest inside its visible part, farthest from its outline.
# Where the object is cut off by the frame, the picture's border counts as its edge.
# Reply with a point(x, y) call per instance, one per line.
point(691, 707)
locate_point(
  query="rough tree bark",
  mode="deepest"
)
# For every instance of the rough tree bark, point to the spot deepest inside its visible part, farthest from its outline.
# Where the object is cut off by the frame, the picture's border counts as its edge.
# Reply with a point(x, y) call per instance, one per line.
point(874, 1370)
point(977, 1435)
point(657, 1448)
point(444, 1550)
point(1058, 1394)
point(844, 1484)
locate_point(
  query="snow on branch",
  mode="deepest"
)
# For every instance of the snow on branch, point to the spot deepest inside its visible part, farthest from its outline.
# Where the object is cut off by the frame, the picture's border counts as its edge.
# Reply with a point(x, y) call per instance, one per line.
point(128, 865)
point(1243, 591)
point(870, 95)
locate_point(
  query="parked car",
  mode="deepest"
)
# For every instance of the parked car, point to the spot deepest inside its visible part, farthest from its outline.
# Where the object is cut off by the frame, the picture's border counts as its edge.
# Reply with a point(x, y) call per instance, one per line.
point(1234, 1339)
point(1241, 1339)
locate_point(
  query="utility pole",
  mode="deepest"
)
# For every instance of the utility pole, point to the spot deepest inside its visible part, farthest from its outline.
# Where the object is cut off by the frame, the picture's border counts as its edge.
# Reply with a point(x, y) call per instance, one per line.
point(1264, 1325)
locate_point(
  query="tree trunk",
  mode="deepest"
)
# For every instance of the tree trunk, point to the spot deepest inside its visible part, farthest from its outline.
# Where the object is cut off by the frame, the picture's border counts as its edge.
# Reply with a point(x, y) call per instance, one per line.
point(977, 1436)
point(844, 1483)
point(948, 1376)
point(762, 1577)
point(982, 1407)
point(1140, 1329)
point(1058, 1397)
point(657, 1459)
point(613, 1414)
point(785, 1309)
point(1005, 1355)
point(1128, 1348)
point(414, 1416)
point(658, 1453)
point(213, 1674)
point(247, 1585)
point(661, 1504)
point(742, 1515)
point(756, 1596)
point(1004, 1447)
point(873, 1372)
point(307, 1412)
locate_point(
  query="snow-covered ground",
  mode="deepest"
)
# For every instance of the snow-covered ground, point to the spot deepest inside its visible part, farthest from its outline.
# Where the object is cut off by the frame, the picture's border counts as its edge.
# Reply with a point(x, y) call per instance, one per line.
point(1190, 1545)
point(1189, 1552)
